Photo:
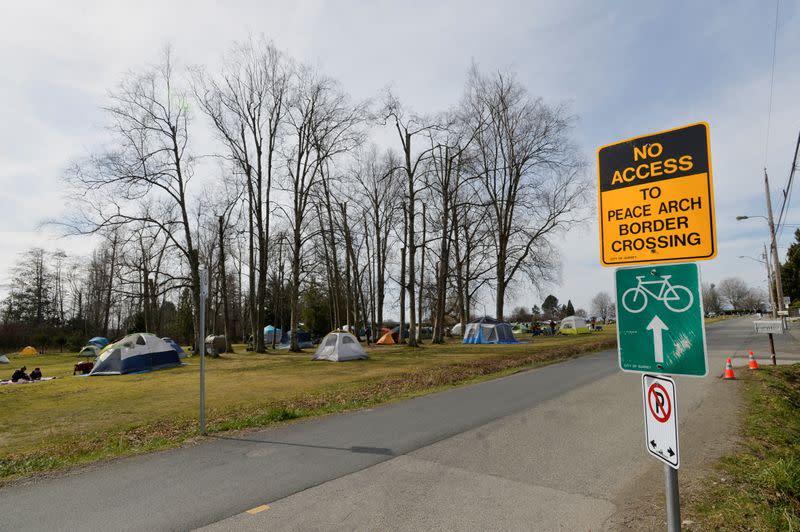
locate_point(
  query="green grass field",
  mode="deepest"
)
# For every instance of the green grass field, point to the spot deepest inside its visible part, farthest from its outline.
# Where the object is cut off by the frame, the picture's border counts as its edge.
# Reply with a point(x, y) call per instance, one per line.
point(758, 488)
point(73, 420)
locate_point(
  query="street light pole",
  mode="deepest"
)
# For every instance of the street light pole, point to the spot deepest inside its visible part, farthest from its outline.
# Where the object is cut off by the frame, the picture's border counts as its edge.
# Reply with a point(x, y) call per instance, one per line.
point(765, 262)
point(776, 263)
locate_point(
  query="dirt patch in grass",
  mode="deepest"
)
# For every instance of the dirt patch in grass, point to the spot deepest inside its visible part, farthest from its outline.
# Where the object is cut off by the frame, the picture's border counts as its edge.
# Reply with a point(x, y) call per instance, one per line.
point(77, 421)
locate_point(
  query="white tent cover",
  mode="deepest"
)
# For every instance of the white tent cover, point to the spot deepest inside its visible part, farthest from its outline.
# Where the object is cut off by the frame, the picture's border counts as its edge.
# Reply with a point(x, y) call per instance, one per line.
point(340, 346)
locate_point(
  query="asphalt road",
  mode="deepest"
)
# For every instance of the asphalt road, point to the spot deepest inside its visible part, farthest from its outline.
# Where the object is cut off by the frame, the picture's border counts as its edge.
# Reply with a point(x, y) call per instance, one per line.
point(567, 436)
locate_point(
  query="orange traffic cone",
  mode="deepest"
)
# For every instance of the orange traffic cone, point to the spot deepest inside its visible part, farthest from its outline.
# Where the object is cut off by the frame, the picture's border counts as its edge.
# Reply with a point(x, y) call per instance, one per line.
point(751, 361)
point(728, 370)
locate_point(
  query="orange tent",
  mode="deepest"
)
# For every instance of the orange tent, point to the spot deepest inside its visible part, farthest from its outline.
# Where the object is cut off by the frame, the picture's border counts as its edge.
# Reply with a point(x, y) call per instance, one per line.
point(386, 339)
point(29, 351)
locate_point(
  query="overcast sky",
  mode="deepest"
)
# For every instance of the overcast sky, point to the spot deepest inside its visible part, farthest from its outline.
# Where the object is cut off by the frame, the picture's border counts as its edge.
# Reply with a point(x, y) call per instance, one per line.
point(625, 68)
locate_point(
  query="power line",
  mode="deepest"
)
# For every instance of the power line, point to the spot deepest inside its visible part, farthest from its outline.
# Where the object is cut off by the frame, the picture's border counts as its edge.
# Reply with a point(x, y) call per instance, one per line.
point(787, 192)
point(771, 80)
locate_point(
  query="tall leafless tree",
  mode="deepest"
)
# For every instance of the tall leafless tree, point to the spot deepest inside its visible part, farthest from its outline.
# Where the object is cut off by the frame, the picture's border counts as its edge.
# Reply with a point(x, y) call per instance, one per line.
point(145, 176)
point(530, 175)
point(247, 106)
point(322, 124)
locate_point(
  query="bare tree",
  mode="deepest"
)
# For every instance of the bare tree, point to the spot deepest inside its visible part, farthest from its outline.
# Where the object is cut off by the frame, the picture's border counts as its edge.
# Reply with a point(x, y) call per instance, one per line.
point(735, 292)
point(321, 125)
point(408, 127)
point(246, 105)
point(145, 176)
point(530, 176)
point(375, 178)
point(712, 302)
point(446, 177)
point(603, 306)
point(755, 300)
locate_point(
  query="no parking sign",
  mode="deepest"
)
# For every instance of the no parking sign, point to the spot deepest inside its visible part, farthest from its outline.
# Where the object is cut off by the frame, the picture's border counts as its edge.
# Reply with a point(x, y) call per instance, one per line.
point(661, 418)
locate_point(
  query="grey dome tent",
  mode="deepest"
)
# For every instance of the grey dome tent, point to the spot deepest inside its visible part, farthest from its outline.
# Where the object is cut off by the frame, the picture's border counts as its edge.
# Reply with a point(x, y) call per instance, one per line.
point(339, 346)
point(488, 330)
point(136, 353)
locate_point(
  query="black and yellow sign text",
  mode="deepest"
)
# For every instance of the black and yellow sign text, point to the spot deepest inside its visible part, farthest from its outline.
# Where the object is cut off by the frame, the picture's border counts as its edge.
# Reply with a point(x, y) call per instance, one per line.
point(656, 198)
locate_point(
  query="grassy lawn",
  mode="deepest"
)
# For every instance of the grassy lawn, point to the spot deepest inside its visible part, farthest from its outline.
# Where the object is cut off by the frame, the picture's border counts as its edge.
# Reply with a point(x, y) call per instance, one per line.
point(70, 421)
point(759, 487)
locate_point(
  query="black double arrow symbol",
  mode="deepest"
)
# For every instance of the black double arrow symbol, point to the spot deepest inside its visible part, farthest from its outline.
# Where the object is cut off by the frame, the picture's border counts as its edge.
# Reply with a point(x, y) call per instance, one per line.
point(669, 449)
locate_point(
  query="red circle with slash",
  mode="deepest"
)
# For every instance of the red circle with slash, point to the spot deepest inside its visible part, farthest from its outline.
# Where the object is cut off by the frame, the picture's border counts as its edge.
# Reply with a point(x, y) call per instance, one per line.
point(661, 401)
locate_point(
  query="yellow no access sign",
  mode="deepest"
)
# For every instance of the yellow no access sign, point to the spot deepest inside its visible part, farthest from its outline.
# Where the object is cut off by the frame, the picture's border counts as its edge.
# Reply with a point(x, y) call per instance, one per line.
point(656, 199)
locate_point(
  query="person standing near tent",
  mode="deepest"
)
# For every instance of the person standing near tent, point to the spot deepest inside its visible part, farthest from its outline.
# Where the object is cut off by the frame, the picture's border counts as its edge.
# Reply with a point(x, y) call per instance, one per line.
point(552, 327)
point(36, 374)
point(20, 375)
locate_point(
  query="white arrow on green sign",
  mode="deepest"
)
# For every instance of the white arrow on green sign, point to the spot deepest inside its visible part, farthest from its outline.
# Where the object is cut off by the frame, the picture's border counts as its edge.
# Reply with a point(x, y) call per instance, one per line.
point(657, 326)
point(660, 325)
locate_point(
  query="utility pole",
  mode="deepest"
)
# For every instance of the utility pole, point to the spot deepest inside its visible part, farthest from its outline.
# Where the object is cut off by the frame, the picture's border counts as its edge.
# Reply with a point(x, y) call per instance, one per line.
point(776, 263)
point(769, 283)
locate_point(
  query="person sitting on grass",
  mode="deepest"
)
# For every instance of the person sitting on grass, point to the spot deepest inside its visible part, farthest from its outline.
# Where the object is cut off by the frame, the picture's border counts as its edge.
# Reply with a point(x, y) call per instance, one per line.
point(36, 374)
point(20, 375)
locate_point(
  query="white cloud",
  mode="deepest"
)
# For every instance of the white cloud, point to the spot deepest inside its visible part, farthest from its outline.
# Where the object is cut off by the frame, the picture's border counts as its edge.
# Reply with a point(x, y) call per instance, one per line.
point(626, 69)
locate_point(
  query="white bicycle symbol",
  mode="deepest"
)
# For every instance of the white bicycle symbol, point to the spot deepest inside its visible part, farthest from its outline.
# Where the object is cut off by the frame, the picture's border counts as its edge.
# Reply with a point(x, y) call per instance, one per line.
point(635, 299)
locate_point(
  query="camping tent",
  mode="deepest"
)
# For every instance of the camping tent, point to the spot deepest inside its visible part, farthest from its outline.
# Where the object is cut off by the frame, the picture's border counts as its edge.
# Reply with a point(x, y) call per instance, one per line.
point(28, 351)
point(99, 341)
point(487, 330)
point(176, 346)
point(457, 330)
point(386, 339)
point(573, 325)
point(303, 339)
point(136, 352)
point(271, 332)
point(339, 346)
point(4, 359)
point(90, 350)
point(396, 332)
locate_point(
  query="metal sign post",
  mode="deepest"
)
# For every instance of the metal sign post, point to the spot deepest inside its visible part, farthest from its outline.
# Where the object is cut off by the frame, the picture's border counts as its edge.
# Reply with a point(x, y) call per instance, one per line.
point(661, 437)
point(202, 331)
point(673, 499)
point(656, 206)
point(770, 327)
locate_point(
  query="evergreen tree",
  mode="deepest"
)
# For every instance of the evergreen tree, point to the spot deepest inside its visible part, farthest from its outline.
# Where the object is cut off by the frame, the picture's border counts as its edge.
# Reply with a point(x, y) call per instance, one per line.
point(790, 270)
point(570, 308)
point(550, 306)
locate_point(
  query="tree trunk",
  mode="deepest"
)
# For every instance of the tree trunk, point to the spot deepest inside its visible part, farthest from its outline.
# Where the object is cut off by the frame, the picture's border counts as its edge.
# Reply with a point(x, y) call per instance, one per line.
point(295, 296)
point(254, 332)
point(411, 247)
point(112, 269)
point(403, 256)
point(422, 272)
point(226, 310)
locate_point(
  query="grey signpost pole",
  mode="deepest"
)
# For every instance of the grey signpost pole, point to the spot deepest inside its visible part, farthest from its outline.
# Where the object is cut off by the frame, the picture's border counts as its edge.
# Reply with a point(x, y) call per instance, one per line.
point(673, 499)
point(202, 320)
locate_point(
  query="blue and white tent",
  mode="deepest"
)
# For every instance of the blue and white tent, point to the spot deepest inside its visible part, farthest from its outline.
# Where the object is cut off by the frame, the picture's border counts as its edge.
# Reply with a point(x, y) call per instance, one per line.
point(303, 339)
point(271, 332)
point(488, 330)
point(99, 341)
point(136, 353)
point(176, 346)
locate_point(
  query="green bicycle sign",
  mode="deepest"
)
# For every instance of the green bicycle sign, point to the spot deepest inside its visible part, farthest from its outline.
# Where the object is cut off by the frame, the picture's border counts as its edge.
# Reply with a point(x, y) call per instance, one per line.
point(675, 297)
point(660, 320)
